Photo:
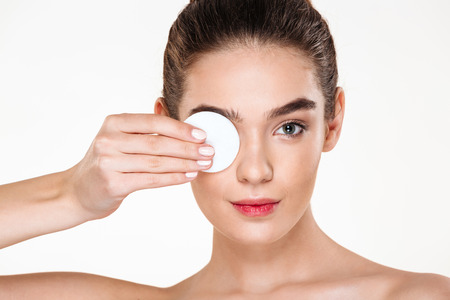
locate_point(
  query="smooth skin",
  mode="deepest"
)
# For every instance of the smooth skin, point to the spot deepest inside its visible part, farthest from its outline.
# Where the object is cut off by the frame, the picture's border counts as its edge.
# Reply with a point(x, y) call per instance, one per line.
point(281, 256)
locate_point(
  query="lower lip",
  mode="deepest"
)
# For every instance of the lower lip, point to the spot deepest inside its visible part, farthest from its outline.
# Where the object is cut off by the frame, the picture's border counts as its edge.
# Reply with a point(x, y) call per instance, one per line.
point(256, 210)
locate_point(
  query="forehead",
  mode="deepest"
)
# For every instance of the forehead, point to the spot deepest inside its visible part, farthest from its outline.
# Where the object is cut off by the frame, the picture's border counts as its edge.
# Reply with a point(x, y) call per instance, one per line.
point(250, 81)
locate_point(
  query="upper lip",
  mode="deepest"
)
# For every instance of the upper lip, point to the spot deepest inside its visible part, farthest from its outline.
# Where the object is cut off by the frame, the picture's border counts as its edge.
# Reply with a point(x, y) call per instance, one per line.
point(254, 201)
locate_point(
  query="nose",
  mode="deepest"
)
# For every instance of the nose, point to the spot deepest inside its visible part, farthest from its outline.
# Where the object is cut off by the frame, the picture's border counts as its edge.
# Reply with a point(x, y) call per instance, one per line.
point(253, 163)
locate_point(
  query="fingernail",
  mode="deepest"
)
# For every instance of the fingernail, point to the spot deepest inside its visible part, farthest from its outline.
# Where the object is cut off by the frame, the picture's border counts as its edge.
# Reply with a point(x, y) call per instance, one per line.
point(203, 162)
point(191, 174)
point(207, 151)
point(198, 134)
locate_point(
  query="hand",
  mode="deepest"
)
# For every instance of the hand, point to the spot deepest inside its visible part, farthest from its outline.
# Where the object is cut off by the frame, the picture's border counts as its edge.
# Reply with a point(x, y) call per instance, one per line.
point(133, 152)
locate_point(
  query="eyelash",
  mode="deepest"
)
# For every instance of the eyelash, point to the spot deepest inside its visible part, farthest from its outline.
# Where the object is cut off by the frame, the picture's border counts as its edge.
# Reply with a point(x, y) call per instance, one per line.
point(303, 128)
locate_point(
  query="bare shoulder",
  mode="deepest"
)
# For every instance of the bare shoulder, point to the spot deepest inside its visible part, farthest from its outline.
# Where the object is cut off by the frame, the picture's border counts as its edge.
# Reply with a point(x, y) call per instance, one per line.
point(65, 285)
point(410, 285)
point(391, 283)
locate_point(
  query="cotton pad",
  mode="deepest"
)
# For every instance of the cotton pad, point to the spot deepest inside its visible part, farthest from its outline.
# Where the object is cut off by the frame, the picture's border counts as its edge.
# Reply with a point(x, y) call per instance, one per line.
point(221, 134)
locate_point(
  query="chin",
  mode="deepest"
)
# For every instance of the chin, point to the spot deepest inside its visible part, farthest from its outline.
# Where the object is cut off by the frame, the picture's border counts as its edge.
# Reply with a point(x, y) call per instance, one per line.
point(249, 236)
point(256, 232)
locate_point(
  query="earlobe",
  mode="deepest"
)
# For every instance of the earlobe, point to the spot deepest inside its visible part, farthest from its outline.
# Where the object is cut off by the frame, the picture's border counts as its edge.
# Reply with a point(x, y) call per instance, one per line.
point(160, 107)
point(334, 126)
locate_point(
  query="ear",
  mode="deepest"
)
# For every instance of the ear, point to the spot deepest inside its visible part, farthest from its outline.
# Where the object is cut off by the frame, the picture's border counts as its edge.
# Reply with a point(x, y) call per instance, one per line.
point(160, 107)
point(334, 126)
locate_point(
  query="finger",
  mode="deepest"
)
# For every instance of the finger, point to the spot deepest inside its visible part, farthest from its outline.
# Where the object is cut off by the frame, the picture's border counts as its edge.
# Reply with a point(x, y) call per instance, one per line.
point(162, 145)
point(155, 124)
point(135, 163)
point(132, 182)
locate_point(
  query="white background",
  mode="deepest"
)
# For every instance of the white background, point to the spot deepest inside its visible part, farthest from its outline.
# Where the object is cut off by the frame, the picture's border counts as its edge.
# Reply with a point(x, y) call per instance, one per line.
point(383, 192)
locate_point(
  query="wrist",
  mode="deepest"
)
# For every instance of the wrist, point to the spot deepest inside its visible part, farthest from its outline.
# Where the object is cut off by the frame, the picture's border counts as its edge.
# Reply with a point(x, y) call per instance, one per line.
point(70, 199)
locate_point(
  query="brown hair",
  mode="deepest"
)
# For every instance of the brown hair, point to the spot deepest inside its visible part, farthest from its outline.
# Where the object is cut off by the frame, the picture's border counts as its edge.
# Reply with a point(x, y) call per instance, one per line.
point(213, 25)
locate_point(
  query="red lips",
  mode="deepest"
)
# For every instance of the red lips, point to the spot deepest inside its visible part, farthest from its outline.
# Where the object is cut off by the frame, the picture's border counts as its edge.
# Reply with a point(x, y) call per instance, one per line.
point(256, 207)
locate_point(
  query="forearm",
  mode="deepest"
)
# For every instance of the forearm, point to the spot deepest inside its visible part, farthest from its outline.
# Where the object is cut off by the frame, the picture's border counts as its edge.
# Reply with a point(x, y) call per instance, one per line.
point(36, 207)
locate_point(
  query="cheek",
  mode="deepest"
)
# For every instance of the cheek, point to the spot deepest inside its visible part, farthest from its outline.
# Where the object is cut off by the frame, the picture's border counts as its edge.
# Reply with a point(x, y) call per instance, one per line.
point(208, 188)
point(296, 169)
point(205, 182)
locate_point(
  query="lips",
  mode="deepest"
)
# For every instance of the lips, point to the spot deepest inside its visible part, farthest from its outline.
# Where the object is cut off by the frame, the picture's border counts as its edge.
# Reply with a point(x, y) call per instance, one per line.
point(259, 201)
point(256, 207)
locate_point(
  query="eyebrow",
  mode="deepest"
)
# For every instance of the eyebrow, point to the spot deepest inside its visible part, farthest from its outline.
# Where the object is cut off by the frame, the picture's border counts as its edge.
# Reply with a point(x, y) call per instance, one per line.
point(294, 105)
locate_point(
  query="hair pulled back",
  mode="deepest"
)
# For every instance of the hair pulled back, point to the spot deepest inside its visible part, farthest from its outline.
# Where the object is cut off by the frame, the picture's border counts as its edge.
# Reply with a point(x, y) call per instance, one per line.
point(213, 25)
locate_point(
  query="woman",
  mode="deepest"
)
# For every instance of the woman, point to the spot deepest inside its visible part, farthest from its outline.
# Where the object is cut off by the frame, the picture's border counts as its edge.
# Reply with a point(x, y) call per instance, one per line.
point(270, 67)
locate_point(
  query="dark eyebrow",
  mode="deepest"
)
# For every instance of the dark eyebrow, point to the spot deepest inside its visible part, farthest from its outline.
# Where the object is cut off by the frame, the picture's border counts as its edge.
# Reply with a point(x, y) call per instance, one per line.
point(231, 114)
point(297, 104)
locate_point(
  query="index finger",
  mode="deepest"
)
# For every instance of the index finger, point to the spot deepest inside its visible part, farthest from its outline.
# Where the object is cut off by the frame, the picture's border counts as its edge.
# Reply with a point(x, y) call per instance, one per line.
point(159, 124)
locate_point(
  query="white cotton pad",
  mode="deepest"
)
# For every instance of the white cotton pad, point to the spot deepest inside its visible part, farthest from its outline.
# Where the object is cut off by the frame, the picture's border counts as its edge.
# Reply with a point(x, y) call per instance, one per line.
point(221, 134)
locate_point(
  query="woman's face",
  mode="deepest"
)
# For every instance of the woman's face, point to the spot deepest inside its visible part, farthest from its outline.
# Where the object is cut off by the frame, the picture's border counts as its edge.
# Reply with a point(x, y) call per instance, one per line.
point(281, 144)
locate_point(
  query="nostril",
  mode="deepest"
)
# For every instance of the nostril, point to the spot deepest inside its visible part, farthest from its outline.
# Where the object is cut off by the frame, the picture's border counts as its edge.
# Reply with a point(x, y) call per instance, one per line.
point(253, 168)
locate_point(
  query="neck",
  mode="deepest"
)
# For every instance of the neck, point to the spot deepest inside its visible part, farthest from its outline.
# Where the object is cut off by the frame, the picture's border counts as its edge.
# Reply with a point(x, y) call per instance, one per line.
point(301, 255)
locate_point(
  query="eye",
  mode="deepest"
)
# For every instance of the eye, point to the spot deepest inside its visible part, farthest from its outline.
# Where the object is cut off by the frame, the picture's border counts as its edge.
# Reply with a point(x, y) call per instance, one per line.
point(291, 129)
